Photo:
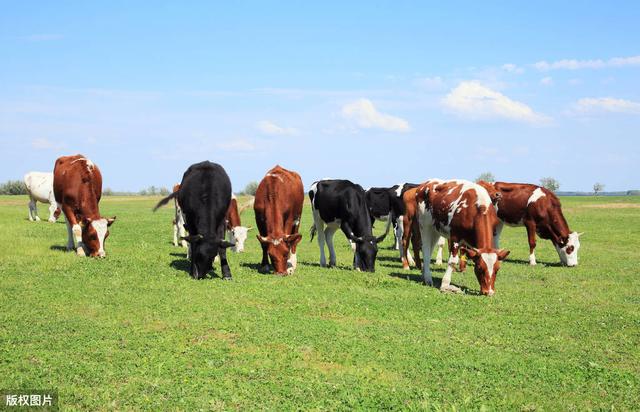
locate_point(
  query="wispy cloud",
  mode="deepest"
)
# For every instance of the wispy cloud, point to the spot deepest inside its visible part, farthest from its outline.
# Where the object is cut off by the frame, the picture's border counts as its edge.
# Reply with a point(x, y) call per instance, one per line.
point(546, 81)
point(364, 114)
point(572, 64)
point(606, 104)
point(237, 145)
point(473, 100)
point(269, 128)
point(42, 37)
point(512, 68)
point(45, 144)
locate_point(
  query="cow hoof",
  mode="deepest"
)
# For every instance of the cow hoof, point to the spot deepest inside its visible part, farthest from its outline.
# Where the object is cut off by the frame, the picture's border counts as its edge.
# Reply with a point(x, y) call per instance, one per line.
point(227, 277)
point(533, 263)
point(37, 219)
point(290, 271)
point(264, 269)
point(80, 252)
point(451, 289)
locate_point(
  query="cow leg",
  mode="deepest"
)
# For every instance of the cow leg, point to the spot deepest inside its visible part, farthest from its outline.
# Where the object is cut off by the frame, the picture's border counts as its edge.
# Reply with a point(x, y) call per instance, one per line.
point(317, 221)
point(328, 234)
point(531, 234)
point(33, 211)
point(496, 235)
point(52, 212)
point(74, 231)
point(416, 243)
point(175, 232)
point(429, 238)
point(264, 265)
point(454, 259)
point(398, 233)
point(406, 237)
point(439, 253)
point(224, 265)
point(182, 232)
point(70, 244)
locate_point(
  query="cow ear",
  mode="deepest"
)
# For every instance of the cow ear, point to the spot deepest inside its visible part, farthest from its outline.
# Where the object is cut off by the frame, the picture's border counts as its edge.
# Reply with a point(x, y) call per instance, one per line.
point(111, 220)
point(470, 251)
point(293, 239)
point(192, 238)
point(502, 254)
point(262, 239)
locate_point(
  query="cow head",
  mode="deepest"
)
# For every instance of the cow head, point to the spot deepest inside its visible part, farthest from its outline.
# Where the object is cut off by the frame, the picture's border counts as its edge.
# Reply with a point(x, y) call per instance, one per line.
point(366, 251)
point(203, 251)
point(239, 235)
point(568, 249)
point(279, 250)
point(486, 265)
point(94, 235)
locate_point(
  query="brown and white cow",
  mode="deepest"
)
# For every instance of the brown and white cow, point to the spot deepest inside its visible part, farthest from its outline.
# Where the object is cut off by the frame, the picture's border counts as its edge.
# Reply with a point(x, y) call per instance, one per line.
point(77, 186)
point(278, 208)
point(461, 211)
point(539, 211)
point(236, 233)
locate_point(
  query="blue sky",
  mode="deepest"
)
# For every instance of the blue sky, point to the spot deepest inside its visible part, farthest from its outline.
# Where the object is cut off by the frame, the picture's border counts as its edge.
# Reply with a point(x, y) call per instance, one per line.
point(376, 92)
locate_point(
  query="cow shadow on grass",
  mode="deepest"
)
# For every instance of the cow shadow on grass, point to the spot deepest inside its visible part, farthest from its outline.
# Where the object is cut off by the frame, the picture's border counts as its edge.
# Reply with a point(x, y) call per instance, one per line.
point(437, 281)
point(58, 248)
point(526, 262)
point(317, 265)
point(184, 265)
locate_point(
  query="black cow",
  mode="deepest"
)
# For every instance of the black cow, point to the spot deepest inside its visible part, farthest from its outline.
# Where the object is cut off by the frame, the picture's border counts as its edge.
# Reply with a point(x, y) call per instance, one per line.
point(204, 195)
point(341, 204)
point(385, 204)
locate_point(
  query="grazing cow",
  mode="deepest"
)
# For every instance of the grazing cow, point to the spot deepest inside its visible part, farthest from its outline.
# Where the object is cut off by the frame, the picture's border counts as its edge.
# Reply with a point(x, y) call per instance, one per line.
point(410, 232)
point(179, 232)
point(40, 188)
point(204, 196)
point(236, 233)
point(278, 208)
point(463, 212)
point(538, 210)
point(77, 187)
point(380, 205)
point(341, 204)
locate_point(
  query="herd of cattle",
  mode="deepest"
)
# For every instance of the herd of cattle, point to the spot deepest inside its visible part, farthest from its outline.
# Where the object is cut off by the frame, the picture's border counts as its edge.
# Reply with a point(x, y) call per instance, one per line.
point(470, 215)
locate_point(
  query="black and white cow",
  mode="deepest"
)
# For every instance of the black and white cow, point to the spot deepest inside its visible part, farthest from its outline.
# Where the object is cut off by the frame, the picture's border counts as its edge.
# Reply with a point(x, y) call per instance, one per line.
point(342, 204)
point(204, 196)
point(385, 204)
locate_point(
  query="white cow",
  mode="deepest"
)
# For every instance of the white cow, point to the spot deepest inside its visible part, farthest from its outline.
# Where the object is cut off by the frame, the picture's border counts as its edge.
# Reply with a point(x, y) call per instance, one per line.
point(40, 188)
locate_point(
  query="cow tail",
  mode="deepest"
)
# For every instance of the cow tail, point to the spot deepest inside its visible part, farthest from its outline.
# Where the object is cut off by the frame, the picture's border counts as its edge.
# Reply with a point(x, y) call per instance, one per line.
point(166, 200)
point(312, 232)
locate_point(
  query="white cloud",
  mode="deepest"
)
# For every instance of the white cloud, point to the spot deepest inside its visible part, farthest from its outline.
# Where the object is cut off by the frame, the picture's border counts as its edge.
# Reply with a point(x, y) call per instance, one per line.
point(237, 145)
point(546, 81)
point(365, 115)
point(45, 144)
point(607, 104)
point(572, 64)
point(473, 100)
point(430, 83)
point(272, 129)
point(512, 68)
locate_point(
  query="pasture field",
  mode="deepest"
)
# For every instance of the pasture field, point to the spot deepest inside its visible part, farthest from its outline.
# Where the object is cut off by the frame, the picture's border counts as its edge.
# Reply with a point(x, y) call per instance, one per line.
point(135, 332)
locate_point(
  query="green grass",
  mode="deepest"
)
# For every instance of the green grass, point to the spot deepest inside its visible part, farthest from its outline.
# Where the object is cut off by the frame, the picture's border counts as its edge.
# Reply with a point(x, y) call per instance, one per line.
point(134, 331)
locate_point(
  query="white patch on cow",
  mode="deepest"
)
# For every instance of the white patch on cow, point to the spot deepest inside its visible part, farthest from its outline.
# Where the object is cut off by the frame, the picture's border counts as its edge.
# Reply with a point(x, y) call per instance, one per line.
point(535, 196)
point(490, 260)
point(532, 259)
point(100, 225)
point(296, 222)
point(482, 198)
point(274, 175)
point(238, 237)
point(399, 189)
point(233, 196)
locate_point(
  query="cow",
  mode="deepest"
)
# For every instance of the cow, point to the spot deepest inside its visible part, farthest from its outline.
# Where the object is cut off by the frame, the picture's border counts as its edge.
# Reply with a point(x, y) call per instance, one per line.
point(278, 208)
point(342, 204)
point(540, 212)
point(463, 212)
point(204, 196)
point(77, 188)
point(40, 188)
point(380, 205)
point(236, 233)
point(179, 232)
point(410, 232)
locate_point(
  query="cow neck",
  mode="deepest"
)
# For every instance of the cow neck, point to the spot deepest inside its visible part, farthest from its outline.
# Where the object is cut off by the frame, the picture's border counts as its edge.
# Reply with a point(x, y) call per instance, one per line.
point(559, 229)
point(89, 207)
point(484, 225)
point(234, 216)
point(361, 224)
point(274, 221)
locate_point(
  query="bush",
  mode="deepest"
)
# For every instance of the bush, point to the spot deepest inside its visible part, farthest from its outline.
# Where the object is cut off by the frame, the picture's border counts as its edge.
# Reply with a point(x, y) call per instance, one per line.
point(550, 183)
point(250, 189)
point(487, 177)
point(13, 187)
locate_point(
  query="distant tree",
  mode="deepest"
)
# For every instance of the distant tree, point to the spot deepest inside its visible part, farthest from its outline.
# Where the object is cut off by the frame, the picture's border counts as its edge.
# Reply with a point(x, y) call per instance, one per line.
point(108, 192)
point(143, 192)
point(13, 187)
point(633, 192)
point(487, 177)
point(164, 191)
point(550, 183)
point(250, 188)
point(597, 188)
point(153, 191)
